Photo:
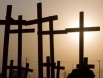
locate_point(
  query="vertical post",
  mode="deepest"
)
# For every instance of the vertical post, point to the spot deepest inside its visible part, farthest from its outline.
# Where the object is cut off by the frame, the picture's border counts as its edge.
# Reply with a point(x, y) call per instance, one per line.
point(26, 71)
point(19, 46)
point(11, 67)
point(6, 42)
point(52, 49)
point(99, 68)
point(48, 67)
point(81, 51)
point(58, 70)
point(58, 67)
point(40, 42)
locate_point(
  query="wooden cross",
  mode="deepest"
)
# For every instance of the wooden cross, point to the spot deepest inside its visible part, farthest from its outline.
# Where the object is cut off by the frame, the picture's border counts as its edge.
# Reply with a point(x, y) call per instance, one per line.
point(22, 68)
point(85, 64)
point(48, 64)
point(81, 38)
point(7, 24)
point(58, 67)
point(11, 67)
point(39, 21)
point(20, 31)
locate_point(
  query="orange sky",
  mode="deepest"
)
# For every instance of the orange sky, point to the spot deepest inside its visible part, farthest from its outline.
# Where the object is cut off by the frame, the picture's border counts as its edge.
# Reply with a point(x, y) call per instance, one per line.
point(66, 46)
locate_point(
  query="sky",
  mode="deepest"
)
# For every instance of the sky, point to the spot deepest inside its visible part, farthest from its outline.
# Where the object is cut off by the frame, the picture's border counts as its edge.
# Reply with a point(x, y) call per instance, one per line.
point(66, 45)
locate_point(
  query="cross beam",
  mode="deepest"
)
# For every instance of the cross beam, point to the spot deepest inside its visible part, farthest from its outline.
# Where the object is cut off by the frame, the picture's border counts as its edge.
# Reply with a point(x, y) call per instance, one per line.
point(45, 19)
point(85, 64)
point(81, 38)
point(15, 22)
point(23, 68)
point(48, 64)
point(58, 67)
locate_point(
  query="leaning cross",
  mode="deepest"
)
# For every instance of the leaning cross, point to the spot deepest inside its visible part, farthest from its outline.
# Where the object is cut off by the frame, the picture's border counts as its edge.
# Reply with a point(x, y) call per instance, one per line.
point(58, 67)
point(81, 39)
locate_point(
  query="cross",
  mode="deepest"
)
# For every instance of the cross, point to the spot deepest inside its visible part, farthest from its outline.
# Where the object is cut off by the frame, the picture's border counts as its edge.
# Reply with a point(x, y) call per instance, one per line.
point(48, 64)
point(7, 24)
point(58, 67)
point(22, 68)
point(20, 31)
point(39, 21)
point(85, 64)
point(81, 39)
point(11, 67)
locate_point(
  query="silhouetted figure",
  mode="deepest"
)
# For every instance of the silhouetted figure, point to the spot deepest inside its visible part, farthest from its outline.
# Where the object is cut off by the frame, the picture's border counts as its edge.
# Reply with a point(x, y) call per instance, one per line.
point(81, 73)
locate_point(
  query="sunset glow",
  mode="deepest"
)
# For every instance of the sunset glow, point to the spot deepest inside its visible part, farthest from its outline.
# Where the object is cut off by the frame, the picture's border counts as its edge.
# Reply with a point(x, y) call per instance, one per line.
point(87, 35)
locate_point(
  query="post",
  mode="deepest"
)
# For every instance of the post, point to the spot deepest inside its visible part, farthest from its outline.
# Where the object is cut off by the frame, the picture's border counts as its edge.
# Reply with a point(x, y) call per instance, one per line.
point(11, 67)
point(81, 39)
point(19, 46)
point(26, 71)
point(52, 49)
point(99, 67)
point(40, 41)
point(6, 41)
point(58, 67)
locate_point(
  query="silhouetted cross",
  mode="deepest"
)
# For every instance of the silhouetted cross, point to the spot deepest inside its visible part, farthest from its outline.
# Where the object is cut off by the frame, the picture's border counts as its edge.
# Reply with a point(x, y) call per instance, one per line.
point(22, 68)
point(81, 38)
point(58, 67)
point(48, 64)
point(51, 32)
point(85, 64)
point(39, 21)
point(26, 70)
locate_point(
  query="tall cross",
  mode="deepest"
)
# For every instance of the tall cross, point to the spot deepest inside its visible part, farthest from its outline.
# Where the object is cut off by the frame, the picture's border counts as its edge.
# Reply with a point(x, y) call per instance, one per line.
point(39, 21)
point(51, 32)
point(7, 24)
point(20, 31)
point(58, 67)
point(81, 38)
